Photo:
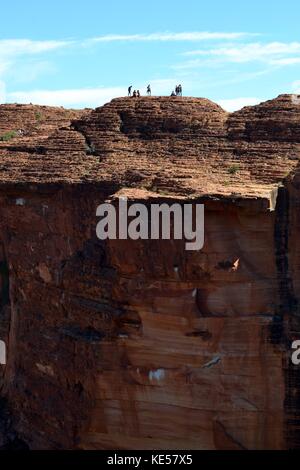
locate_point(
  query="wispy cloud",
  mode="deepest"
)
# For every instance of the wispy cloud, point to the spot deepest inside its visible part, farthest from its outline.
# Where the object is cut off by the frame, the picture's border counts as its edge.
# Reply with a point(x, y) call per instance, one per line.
point(286, 61)
point(274, 53)
point(18, 47)
point(10, 48)
point(23, 60)
point(13, 50)
point(169, 36)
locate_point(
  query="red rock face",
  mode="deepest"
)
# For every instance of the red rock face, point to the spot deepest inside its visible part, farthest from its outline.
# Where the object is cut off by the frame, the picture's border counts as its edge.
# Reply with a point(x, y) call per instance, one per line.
point(142, 344)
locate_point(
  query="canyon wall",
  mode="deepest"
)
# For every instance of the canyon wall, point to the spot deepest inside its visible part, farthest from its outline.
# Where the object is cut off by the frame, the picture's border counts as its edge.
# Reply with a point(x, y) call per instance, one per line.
point(141, 344)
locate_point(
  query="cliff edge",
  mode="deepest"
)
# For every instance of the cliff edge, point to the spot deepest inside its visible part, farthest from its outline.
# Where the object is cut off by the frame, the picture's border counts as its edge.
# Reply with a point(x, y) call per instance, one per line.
point(140, 344)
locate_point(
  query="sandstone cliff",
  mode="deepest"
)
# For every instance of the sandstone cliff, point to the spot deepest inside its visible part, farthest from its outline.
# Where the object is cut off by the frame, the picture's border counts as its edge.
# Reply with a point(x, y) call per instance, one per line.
point(141, 344)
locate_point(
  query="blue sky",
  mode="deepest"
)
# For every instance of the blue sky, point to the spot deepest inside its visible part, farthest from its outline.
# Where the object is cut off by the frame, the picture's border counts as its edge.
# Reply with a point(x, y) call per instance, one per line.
point(83, 53)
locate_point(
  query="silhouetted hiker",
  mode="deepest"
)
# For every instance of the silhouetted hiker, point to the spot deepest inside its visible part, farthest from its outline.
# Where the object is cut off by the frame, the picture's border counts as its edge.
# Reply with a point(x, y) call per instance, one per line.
point(149, 90)
point(173, 93)
point(134, 94)
point(138, 94)
point(177, 90)
point(180, 90)
point(129, 90)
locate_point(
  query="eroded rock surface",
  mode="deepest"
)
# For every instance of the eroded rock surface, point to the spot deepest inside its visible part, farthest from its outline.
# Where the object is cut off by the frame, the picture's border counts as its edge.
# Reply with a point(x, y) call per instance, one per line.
point(142, 344)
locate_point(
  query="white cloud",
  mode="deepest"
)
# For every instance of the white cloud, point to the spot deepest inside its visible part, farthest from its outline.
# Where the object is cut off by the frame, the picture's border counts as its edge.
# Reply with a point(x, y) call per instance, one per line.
point(12, 51)
point(169, 36)
point(19, 47)
point(274, 53)
point(78, 98)
point(10, 48)
point(237, 103)
point(286, 61)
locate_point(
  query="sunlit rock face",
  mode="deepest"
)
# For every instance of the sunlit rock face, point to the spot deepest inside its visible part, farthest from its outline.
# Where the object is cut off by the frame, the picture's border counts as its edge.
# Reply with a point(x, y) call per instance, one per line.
point(142, 344)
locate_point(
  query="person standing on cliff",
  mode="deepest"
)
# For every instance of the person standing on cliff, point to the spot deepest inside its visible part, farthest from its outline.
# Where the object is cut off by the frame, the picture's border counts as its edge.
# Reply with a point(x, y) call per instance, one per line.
point(129, 90)
point(149, 90)
point(138, 94)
